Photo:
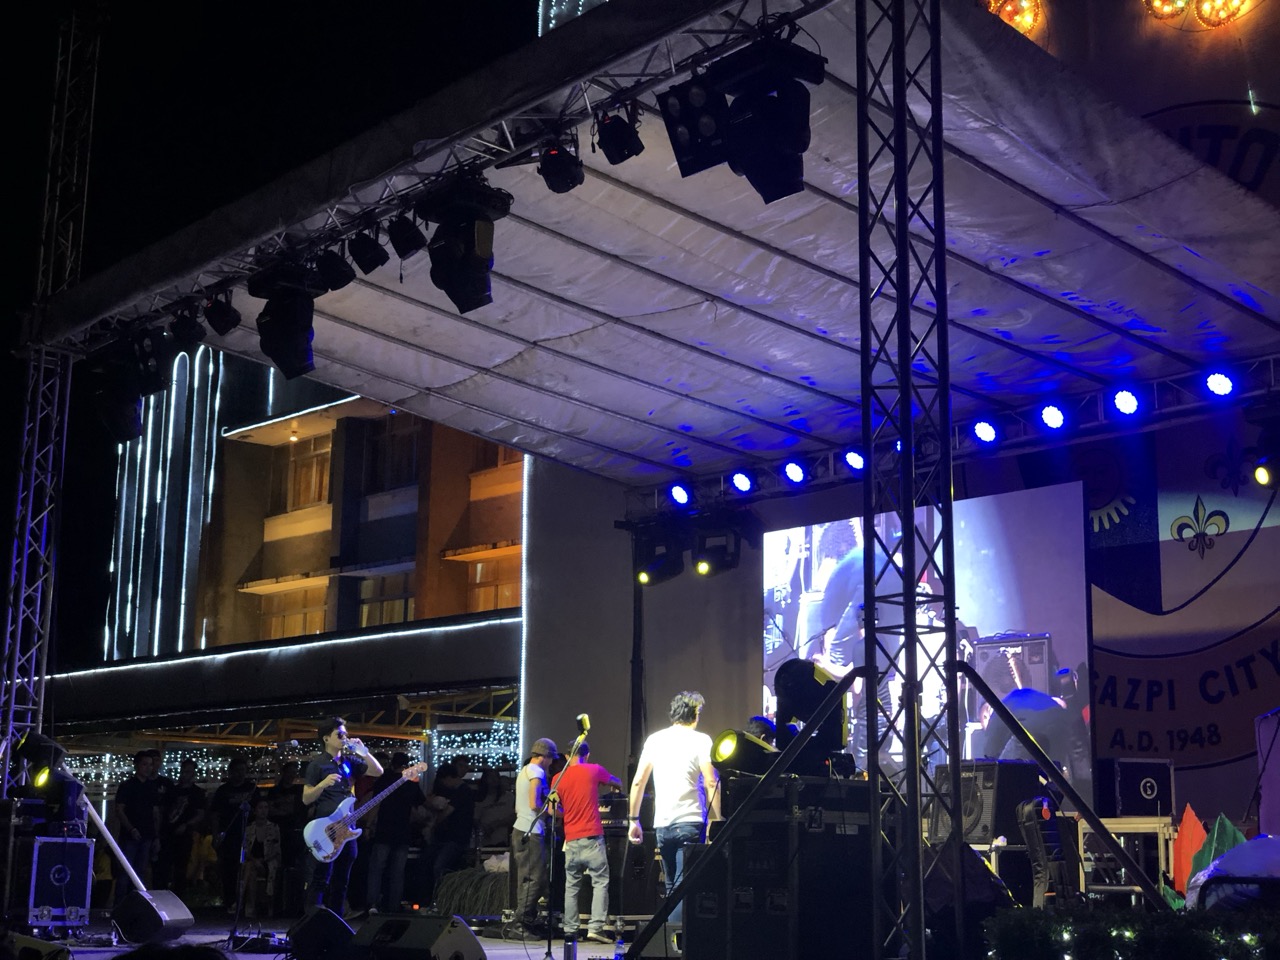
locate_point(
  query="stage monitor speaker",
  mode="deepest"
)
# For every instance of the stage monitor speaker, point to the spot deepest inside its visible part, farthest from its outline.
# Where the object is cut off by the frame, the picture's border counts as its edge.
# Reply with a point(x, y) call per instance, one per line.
point(667, 942)
point(319, 934)
point(990, 793)
point(143, 917)
point(14, 946)
point(1134, 788)
point(415, 937)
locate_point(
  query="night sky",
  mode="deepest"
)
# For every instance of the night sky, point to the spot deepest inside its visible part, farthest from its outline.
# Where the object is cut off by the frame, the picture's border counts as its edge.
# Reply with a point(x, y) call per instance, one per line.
point(198, 104)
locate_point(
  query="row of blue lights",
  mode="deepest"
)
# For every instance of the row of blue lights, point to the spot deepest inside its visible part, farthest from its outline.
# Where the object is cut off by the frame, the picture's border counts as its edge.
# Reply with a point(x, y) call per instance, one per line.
point(1124, 401)
point(795, 472)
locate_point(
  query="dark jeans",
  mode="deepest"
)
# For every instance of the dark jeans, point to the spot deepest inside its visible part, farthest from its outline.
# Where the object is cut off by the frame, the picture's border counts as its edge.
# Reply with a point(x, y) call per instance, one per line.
point(671, 842)
point(387, 864)
point(328, 884)
point(530, 864)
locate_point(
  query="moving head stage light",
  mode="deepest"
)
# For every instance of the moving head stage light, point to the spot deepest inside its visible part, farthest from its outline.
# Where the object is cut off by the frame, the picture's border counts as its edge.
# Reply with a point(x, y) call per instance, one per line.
point(763, 131)
point(801, 686)
point(461, 249)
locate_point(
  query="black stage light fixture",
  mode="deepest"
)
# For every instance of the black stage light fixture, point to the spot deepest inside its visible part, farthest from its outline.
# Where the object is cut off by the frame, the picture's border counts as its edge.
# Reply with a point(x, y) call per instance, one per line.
point(561, 167)
point(461, 258)
point(736, 751)
point(152, 355)
point(716, 551)
point(335, 272)
point(616, 133)
point(367, 252)
point(657, 556)
point(221, 316)
point(801, 687)
point(185, 327)
point(406, 239)
point(285, 333)
point(113, 382)
point(768, 135)
point(696, 115)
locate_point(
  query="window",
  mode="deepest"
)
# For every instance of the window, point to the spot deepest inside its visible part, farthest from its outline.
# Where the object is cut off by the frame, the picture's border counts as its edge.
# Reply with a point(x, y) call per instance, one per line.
point(392, 454)
point(294, 613)
point(493, 584)
point(301, 474)
point(506, 455)
point(385, 600)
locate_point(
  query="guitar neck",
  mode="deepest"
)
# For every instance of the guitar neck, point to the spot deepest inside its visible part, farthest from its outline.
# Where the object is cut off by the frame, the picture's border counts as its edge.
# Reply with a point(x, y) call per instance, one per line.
point(375, 800)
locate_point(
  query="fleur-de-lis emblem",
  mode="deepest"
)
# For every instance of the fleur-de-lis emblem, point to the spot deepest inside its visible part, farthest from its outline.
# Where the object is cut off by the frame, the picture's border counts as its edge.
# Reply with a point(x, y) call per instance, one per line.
point(1232, 467)
point(1200, 529)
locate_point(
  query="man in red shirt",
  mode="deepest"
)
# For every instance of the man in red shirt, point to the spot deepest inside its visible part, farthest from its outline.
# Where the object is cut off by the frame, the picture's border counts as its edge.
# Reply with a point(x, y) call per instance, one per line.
point(584, 852)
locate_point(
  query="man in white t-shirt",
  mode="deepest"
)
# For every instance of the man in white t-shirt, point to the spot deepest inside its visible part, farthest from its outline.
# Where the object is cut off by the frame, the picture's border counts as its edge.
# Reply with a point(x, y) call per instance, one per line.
point(528, 841)
point(685, 785)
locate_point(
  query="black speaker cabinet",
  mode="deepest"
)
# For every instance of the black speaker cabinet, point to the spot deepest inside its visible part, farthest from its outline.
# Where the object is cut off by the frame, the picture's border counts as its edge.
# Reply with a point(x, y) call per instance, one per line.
point(635, 876)
point(319, 934)
point(1134, 788)
point(743, 904)
point(153, 915)
point(415, 937)
point(990, 793)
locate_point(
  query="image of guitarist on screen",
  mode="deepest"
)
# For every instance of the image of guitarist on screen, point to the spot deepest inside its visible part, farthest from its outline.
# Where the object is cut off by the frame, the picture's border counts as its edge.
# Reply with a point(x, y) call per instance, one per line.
point(330, 779)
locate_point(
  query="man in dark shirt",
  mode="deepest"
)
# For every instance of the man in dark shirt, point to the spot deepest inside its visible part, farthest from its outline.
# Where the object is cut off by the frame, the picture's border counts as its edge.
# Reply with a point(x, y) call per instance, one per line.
point(331, 779)
point(391, 836)
point(452, 835)
point(138, 819)
point(178, 824)
point(229, 810)
point(161, 789)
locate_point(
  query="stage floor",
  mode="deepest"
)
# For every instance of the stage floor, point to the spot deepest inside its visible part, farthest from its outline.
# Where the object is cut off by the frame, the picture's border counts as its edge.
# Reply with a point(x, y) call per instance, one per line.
point(94, 942)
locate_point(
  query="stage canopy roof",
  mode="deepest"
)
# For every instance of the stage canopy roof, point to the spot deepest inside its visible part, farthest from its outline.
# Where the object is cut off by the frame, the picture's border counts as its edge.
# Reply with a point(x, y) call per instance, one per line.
point(645, 326)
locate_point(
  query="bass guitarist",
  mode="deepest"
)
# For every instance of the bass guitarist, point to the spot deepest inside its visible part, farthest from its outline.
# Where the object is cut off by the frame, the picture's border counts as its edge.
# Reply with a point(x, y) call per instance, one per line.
point(331, 779)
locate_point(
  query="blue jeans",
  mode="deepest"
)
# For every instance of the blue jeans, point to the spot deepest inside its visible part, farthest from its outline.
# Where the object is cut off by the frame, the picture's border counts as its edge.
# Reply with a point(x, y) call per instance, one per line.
point(586, 856)
point(671, 841)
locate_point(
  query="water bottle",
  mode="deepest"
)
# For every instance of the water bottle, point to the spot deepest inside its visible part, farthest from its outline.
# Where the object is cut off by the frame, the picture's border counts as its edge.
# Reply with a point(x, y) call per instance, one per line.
point(619, 948)
point(570, 948)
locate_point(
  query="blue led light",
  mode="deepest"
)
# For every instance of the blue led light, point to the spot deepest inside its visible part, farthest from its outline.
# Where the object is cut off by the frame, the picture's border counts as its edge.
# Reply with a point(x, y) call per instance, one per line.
point(680, 494)
point(985, 431)
point(742, 481)
point(1219, 384)
point(1052, 417)
point(794, 471)
point(854, 460)
point(1126, 401)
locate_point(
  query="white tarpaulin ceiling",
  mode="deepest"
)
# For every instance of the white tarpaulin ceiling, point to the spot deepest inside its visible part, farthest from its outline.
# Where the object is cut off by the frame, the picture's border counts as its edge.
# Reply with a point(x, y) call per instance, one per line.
point(645, 326)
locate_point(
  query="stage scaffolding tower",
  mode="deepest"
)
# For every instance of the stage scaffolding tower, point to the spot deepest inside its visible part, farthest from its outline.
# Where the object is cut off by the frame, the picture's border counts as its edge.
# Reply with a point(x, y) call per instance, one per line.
point(908, 547)
point(29, 600)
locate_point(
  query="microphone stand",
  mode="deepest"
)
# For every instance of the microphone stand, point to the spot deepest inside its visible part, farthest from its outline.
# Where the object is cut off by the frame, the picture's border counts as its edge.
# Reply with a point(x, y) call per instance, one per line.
point(551, 847)
point(244, 842)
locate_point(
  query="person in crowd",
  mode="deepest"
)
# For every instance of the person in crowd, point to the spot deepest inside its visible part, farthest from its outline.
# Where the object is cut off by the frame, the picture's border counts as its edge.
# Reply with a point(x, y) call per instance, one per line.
point(288, 812)
point(494, 812)
point(685, 787)
point(452, 836)
point(179, 825)
point(584, 852)
point(262, 855)
point(528, 835)
point(392, 833)
point(229, 814)
point(762, 728)
point(331, 778)
point(161, 788)
point(138, 822)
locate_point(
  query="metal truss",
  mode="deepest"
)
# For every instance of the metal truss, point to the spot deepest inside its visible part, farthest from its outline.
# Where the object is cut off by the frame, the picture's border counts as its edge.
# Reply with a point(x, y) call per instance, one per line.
point(908, 553)
point(29, 601)
point(510, 139)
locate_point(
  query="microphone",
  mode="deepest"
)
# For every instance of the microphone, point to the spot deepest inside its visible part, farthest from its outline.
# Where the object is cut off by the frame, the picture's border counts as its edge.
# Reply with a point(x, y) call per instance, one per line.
point(584, 723)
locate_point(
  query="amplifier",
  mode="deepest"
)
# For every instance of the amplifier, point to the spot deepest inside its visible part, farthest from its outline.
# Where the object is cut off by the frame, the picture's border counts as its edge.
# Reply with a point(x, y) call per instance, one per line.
point(1024, 658)
point(990, 791)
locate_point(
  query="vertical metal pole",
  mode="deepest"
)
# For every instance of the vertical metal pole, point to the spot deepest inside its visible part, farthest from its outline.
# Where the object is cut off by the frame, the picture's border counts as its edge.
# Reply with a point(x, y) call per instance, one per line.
point(908, 558)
